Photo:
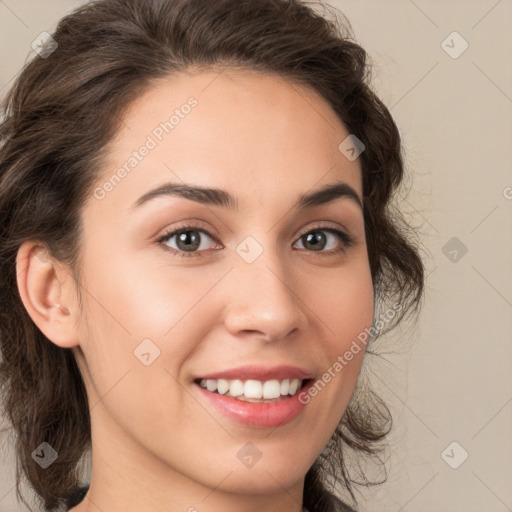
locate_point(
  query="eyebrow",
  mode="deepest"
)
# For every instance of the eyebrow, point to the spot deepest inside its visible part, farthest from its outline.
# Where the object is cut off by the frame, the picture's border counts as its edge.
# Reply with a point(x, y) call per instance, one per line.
point(218, 197)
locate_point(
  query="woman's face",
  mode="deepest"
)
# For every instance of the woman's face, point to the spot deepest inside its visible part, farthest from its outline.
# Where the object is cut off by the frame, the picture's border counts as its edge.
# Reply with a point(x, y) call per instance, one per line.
point(261, 290)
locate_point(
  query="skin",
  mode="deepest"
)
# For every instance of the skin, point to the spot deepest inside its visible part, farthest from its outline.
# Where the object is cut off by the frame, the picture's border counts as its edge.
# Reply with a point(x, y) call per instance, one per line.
point(157, 445)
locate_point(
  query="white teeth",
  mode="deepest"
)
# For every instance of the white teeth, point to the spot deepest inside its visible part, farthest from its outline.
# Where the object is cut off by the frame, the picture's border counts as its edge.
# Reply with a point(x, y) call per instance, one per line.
point(253, 389)
point(271, 389)
point(236, 388)
point(222, 386)
point(294, 384)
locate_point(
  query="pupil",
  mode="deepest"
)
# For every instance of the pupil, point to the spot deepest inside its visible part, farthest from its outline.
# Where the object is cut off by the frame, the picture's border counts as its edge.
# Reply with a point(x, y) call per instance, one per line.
point(189, 237)
point(315, 237)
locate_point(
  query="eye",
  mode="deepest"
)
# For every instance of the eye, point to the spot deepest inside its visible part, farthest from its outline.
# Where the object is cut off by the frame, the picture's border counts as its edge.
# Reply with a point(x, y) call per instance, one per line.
point(188, 240)
point(316, 240)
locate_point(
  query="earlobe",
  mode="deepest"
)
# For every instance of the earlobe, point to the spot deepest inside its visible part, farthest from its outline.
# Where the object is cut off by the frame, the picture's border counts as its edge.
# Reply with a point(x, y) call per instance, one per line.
point(43, 286)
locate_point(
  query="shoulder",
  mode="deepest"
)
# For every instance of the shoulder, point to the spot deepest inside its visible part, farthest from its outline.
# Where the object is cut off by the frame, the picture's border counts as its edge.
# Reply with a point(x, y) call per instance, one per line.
point(73, 498)
point(341, 506)
point(334, 504)
point(345, 508)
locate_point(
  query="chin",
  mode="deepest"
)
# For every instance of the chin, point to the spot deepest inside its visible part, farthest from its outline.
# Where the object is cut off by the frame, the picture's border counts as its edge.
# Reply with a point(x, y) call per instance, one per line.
point(267, 477)
point(262, 482)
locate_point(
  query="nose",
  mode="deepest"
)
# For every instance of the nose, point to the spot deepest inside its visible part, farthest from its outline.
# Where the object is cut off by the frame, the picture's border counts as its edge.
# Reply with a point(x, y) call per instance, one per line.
point(261, 300)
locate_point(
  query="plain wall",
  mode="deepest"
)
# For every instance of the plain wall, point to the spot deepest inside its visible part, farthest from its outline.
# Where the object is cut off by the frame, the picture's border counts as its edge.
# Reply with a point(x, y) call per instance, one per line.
point(447, 376)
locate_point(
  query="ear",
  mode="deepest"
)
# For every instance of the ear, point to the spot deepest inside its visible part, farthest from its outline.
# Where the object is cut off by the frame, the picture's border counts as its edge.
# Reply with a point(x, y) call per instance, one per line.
point(47, 290)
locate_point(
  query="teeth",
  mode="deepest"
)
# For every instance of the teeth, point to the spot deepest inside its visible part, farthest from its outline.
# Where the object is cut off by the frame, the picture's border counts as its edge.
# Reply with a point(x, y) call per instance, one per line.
point(294, 385)
point(272, 389)
point(236, 388)
point(254, 389)
point(222, 386)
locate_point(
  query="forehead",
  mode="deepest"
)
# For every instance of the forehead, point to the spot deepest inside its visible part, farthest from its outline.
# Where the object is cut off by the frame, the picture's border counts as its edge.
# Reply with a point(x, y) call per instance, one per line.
point(243, 131)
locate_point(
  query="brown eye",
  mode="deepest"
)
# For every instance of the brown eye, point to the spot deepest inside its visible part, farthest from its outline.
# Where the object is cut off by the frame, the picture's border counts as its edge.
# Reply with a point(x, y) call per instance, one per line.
point(316, 240)
point(189, 240)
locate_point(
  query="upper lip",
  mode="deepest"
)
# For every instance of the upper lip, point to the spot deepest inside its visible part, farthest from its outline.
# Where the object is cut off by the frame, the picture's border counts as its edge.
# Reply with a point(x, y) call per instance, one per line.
point(262, 373)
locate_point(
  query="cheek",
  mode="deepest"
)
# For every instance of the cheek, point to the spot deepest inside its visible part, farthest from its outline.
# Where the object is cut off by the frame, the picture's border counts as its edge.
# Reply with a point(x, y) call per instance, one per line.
point(142, 318)
point(346, 304)
point(134, 335)
point(144, 300)
point(346, 310)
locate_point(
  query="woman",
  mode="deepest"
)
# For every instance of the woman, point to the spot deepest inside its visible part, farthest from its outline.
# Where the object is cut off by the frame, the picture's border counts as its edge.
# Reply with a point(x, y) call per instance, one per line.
point(197, 249)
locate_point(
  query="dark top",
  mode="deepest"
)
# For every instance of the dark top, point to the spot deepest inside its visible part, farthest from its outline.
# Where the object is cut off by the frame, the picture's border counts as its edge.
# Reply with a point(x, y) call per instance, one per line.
point(76, 495)
point(73, 498)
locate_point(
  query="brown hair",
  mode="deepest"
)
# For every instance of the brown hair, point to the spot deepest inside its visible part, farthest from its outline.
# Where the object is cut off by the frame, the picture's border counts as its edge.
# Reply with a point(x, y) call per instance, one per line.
point(58, 118)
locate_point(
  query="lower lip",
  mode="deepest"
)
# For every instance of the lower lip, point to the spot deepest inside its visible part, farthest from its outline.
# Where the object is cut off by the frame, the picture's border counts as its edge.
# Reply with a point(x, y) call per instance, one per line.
point(253, 414)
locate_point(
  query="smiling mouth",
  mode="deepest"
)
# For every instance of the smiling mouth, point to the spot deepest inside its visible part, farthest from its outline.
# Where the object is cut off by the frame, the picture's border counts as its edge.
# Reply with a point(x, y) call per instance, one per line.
point(255, 391)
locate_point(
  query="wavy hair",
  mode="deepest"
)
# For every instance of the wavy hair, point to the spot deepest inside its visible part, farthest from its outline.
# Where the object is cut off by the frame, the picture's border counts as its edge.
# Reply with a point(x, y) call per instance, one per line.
point(57, 120)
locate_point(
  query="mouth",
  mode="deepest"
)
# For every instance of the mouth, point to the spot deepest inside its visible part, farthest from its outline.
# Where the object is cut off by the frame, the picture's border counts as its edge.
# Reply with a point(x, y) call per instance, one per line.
point(255, 391)
point(256, 395)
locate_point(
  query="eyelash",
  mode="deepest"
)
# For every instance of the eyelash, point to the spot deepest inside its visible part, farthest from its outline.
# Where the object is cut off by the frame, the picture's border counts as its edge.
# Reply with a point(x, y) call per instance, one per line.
point(347, 239)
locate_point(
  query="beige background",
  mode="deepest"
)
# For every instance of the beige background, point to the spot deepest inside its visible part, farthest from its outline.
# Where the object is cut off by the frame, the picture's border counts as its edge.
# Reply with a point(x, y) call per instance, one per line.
point(448, 376)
